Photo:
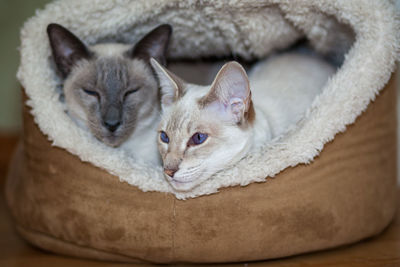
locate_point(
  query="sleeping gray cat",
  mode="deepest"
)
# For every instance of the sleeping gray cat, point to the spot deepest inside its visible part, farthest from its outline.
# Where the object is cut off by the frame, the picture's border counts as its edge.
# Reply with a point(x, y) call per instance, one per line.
point(110, 88)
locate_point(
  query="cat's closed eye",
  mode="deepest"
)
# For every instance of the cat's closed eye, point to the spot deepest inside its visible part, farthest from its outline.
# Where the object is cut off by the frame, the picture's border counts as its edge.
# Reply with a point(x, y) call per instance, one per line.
point(197, 139)
point(129, 92)
point(91, 92)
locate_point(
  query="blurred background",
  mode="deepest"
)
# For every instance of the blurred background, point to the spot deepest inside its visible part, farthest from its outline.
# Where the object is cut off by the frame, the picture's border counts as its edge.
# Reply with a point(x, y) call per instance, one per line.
point(13, 13)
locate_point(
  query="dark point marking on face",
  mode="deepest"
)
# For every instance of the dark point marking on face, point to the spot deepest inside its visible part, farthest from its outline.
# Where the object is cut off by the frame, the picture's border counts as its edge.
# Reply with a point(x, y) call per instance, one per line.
point(67, 49)
point(153, 45)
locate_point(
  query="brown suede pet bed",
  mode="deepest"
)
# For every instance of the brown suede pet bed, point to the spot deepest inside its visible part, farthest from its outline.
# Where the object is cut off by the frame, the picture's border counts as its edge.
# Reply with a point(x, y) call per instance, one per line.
point(341, 191)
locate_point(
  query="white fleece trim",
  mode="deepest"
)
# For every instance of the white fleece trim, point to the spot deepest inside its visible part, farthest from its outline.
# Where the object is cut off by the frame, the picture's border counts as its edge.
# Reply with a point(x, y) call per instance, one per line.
point(250, 29)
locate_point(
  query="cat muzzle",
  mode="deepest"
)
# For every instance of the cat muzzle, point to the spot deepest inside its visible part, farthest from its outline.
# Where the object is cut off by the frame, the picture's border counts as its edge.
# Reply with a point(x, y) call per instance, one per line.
point(112, 126)
point(170, 172)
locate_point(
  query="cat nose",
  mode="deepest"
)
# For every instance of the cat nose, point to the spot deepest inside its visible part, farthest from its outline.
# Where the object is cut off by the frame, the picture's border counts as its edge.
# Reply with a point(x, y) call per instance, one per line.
point(170, 172)
point(112, 125)
point(112, 118)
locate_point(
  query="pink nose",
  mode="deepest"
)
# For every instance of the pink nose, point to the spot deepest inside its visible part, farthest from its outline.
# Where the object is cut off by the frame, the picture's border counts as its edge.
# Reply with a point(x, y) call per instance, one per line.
point(170, 172)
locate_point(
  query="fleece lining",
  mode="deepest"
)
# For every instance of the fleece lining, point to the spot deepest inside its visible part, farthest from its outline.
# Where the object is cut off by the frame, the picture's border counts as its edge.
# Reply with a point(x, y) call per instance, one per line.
point(365, 33)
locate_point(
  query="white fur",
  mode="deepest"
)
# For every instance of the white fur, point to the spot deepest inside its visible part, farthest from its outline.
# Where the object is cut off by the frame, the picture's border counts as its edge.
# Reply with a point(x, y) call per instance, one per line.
point(230, 144)
point(280, 96)
point(280, 93)
point(250, 29)
point(143, 141)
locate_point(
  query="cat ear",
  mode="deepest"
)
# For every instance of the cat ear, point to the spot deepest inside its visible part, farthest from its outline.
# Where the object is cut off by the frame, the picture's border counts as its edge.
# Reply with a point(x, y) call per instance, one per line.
point(67, 49)
point(154, 44)
point(230, 93)
point(172, 87)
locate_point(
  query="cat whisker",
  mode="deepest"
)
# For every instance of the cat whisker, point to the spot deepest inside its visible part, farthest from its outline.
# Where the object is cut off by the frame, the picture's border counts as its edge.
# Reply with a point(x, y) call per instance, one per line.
point(192, 170)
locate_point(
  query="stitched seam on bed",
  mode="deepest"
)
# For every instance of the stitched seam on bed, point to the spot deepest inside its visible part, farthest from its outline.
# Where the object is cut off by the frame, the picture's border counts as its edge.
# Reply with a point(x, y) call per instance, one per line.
point(173, 230)
point(46, 235)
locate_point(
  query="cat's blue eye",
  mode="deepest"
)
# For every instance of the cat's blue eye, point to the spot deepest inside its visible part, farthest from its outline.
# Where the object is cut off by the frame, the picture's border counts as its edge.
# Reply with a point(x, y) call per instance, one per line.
point(164, 137)
point(90, 92)
point(198, 138)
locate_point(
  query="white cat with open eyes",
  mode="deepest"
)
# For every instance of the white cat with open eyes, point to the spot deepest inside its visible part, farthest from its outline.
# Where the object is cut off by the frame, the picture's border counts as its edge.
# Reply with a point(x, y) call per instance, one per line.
point(205, 129)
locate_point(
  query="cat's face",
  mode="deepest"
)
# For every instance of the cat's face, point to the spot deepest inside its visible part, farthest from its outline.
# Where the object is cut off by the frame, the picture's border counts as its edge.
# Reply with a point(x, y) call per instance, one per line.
point(111, 95)
point(203, 129)
point(110, 88)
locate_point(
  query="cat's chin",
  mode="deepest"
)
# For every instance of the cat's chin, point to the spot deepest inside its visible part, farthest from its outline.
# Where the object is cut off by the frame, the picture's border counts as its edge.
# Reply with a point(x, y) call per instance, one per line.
point(183, 185)
point(113, 141)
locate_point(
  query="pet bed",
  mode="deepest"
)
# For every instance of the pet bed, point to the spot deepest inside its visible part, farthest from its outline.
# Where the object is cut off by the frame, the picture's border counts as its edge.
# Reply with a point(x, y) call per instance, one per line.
point(334, 173)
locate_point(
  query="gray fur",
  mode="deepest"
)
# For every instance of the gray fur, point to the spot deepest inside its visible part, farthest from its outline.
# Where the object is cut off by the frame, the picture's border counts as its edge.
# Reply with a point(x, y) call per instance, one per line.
point(110, 88)
point(112, 78)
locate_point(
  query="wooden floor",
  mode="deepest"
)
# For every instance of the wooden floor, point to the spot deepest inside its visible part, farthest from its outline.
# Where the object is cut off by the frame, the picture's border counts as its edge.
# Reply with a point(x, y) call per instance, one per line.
point(383, 250)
